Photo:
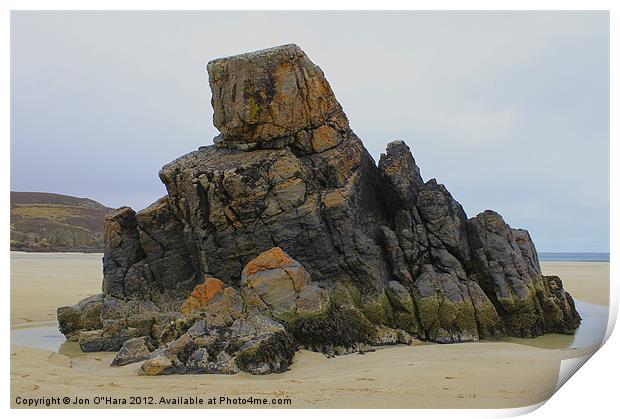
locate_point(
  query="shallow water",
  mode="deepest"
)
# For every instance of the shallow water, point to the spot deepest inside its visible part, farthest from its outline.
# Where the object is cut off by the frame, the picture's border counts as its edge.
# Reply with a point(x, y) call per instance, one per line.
point(590, 333)
point(44, 337)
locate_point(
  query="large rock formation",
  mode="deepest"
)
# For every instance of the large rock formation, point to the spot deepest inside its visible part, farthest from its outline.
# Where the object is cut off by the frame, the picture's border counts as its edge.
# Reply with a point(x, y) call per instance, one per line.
point(286, 232)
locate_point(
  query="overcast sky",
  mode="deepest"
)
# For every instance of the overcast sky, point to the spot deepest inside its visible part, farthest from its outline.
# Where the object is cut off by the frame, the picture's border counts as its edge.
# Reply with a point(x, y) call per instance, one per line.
point(510, 110)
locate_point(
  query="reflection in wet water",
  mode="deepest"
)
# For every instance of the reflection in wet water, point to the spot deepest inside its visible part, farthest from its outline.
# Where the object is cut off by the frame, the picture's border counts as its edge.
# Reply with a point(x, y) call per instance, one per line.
point(44, 337)
point(590, 333)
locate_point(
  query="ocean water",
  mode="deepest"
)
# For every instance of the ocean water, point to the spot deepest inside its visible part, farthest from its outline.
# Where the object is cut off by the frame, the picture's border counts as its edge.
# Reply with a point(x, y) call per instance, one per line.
point(574, 256)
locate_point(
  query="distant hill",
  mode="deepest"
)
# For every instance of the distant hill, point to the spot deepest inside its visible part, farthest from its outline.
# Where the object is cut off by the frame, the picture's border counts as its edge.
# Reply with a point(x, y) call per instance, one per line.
point(48, 222)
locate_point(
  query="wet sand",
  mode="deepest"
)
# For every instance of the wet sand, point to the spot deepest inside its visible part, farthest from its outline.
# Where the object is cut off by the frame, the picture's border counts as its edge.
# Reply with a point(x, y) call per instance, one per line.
point(482, 375)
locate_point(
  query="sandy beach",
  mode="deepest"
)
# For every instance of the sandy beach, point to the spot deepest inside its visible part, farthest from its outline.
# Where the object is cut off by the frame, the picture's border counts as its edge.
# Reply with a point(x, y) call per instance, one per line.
point(588, 281)
point(472, 375)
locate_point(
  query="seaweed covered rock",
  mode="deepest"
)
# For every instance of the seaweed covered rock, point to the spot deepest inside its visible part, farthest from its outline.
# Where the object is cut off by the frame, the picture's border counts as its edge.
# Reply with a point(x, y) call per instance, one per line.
point(343, 326)
point(83, 316)
point(286, 232)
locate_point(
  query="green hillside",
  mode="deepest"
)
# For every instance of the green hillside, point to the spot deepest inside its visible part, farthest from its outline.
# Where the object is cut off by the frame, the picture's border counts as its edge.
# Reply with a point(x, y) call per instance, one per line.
point(47, 222)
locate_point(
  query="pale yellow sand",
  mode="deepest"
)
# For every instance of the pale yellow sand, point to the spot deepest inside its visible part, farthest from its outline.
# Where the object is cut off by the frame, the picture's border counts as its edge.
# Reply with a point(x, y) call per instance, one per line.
point(41, 282)
point(464, 375)
point(588, 281)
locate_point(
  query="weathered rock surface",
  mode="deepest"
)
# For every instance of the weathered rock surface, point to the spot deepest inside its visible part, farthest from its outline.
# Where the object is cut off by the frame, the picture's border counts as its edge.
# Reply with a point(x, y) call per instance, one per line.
point(83, 316)
point(134, 350)
point(286, 232)
point(506, 266)
point(255, 344)
point(264, 99)
point(276, 284)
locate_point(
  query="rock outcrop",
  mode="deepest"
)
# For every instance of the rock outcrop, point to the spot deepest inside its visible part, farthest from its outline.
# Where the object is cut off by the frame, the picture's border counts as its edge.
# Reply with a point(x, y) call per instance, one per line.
point(286, 233)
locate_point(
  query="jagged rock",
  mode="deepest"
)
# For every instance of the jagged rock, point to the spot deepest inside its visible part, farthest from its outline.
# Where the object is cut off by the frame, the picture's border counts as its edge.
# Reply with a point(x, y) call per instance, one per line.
point(508, 271)
point(401, 174)
point(200, 362)
point(122, 249)
point(104, 340)
point(405, 312)
point(167, 262)
point(134, 350)
point(255, 325)
point(311, 242)
point(237, 205)
point(256, 344)
point(145, 254)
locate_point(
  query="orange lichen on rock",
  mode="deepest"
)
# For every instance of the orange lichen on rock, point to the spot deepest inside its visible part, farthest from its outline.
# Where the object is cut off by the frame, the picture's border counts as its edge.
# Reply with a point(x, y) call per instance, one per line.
point(201, 295)
point(270, 259)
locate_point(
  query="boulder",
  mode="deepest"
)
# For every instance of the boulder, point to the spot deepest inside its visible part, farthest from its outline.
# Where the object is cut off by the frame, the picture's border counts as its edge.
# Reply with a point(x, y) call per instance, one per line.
point(223, 364)
point(157, 365)
point(120, 320)
point(198, 360)
point(104, 341)
point(273, 282)
point(267, 353)
point(134, 350)
point(83, 316)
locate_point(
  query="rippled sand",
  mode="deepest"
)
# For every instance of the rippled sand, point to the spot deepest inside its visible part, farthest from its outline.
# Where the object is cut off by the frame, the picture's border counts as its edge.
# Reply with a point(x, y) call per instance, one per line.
point(489, 374)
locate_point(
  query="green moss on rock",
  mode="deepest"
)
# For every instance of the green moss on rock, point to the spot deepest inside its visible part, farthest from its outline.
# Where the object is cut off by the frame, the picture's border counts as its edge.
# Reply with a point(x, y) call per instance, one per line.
point(379, 311)
point(340, 326)
point(272, 354)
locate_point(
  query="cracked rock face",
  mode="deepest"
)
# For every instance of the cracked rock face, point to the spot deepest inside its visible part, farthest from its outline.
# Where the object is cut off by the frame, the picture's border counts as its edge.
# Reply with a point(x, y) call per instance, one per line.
point(264, 99)
point(286, 232)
